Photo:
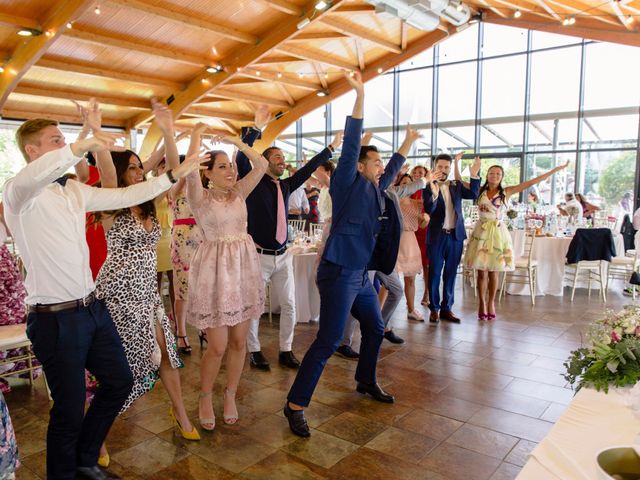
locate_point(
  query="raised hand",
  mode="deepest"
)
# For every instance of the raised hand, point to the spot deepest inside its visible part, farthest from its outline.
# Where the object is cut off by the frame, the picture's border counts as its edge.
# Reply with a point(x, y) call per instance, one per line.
point(262, 116)
point(412, 134)
point(163, 116)
point(404, 169)
point(190, 164)
point(474, 170)
point(458, 156)
point(366, 138)
point(355, 81)
point(101, 141)
point(562, 167)
point(337, 140)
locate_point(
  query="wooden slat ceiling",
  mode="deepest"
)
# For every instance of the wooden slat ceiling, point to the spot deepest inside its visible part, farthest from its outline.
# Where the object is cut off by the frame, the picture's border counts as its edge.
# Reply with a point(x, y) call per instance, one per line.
point(133, 50)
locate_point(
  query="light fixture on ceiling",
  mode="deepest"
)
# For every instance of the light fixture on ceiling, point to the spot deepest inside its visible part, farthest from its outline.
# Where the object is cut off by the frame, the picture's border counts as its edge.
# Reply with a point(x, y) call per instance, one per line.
point(69, 25)
point(380, 70)
point(49, 33)
point(475, 18)
point(258, 73)
point(517, 14)
point(1, 69)
point(279, 75)
point(628, 20)
point(97, 10)
point(424, 14)
point(303, 23)
point(460, 7)
point(321, 5)
point(300, 75)
point(326, 75)
point(322, 93)
point(26, 32)
point(214, 69)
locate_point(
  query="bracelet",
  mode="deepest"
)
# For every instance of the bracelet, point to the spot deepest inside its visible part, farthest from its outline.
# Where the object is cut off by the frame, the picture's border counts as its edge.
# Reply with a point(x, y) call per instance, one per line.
point(330, 147)
point(170, 176)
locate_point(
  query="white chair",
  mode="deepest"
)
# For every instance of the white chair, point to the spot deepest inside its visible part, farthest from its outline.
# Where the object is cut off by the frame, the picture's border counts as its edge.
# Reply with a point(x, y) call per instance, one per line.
point(297, 225)
point(593, 270)
point(622, 267)
point(525, 271)
point(13, 337)
point(468, 274)
point(315, 228)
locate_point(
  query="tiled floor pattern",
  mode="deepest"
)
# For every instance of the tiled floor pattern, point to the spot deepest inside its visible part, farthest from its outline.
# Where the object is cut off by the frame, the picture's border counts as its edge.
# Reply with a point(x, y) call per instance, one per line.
point(472, 400)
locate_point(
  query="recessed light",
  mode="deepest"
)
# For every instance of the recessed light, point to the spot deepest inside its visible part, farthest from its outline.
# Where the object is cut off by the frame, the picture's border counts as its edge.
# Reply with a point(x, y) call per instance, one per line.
point(321, 5)
point(25, 32)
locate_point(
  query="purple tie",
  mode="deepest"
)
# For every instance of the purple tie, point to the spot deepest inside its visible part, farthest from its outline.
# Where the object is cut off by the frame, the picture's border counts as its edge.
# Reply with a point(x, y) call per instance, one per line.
point(281, 229)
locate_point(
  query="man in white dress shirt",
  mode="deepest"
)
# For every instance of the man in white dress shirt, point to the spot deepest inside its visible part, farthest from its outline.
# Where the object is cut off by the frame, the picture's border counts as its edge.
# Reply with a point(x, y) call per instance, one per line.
point(298, 204)
point(70, 330)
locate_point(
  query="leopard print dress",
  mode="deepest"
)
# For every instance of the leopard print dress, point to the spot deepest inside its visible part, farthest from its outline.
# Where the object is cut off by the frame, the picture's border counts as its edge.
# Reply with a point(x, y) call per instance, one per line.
point(127, 282)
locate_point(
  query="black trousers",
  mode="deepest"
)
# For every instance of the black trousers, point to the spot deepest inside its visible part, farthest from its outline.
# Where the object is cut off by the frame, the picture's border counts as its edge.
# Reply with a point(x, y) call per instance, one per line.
point(66, 343)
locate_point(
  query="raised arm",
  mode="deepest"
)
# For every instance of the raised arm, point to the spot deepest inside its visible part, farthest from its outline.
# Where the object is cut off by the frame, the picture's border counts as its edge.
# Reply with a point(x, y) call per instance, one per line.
point(164, 120)
point(104, 162)
point(430, 193)
point(347, 169)
point(530, 183)
point(398, 158)
point(296, 180)
point(472, 191)
point(39, 174)
point(262, 116)
point(245, 185)
point(82, 167)
point(409, 189)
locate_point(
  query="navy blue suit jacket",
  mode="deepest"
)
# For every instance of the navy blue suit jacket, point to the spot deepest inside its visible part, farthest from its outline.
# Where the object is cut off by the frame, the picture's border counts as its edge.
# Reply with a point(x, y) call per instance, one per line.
point(358, 205)
point(436, 209)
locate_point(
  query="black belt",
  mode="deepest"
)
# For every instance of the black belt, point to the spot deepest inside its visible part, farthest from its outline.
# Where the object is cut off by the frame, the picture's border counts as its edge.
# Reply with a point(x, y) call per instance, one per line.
point(62, 306)
point(448, 231)
point(268, 251)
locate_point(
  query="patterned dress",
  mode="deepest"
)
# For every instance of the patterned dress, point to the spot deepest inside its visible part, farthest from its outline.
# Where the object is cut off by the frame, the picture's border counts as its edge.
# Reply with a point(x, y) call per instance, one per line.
point(490, 246)
point(127, 282)
point(225, 277)
point(8, 446)
point(185, 239)
point(409, 261)
point(12, 309)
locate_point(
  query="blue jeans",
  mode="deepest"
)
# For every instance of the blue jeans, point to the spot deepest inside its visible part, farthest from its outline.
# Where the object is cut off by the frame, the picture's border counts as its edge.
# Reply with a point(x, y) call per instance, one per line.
point(341, 291)
point(66, 343)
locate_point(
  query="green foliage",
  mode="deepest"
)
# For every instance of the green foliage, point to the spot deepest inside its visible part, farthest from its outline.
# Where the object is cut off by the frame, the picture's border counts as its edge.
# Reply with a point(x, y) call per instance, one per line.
point(618, 177)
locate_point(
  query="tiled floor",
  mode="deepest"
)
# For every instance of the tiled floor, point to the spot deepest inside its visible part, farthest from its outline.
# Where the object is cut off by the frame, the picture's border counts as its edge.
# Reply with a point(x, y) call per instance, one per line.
point(472, 400)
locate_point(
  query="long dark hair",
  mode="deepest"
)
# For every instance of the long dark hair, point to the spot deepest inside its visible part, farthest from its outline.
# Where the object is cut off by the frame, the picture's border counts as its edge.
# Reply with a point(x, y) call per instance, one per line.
point(402, 177)
point(214, 154)
point(485, 187)
point(121, 162)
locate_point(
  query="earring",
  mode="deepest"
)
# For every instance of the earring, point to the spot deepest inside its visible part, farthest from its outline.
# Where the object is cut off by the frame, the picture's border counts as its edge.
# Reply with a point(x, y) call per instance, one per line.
point(210, 184)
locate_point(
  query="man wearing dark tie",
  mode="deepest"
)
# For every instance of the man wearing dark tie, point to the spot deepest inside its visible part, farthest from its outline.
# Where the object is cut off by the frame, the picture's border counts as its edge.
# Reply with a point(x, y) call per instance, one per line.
point(446, 232)
point(359, 208)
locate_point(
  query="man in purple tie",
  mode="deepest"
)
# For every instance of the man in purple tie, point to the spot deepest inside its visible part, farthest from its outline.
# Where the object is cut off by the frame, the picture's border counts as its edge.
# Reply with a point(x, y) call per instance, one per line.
point(267, 208)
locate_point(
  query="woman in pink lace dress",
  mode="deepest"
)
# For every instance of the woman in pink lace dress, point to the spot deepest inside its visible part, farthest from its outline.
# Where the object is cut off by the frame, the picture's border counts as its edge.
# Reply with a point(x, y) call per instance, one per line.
point(409, 261)
point(225, 278)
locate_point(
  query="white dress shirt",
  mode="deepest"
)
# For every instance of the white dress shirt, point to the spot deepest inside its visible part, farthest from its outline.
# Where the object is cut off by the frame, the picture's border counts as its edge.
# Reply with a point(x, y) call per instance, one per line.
point(324, 205)
point(48, 223)
point(298, 200)
point(449, 211)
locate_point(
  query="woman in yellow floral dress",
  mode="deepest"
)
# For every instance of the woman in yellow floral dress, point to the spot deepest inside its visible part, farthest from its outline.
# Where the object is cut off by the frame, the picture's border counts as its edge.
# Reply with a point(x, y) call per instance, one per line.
point(490, 247)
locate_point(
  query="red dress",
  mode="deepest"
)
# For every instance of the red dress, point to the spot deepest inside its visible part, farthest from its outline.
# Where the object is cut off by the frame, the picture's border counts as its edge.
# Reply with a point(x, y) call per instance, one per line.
point(421, 233)
point(96, 239)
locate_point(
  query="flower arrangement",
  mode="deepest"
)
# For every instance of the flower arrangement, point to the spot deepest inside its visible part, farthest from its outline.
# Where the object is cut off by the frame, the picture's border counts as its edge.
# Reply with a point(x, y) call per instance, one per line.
point(512, 214)
point(612, 353)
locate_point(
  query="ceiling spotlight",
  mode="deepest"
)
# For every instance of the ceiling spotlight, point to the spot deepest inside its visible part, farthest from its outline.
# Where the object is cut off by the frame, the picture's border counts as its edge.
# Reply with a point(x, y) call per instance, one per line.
point(565, 22)
point(300, 75)
point(460, 7)
point(1, 69)
point(628, 20)
point(238, 69)
point(326, 75)
point(321, 5)
point(279, 75)
point(380, 70)
point(352, 73)
point(48, 33)
point(257, 73)
point(322, 93)
point(517, 14)
point(205, 81)
point(572, 20)
point(97, 10)
point(303, 23)
point(25, 32)
point(212, 69)
point(69, 25)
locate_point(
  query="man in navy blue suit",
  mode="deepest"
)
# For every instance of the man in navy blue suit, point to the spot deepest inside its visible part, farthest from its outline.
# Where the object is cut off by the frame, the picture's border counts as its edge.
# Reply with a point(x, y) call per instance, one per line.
point(359, 208)
point(446, 232)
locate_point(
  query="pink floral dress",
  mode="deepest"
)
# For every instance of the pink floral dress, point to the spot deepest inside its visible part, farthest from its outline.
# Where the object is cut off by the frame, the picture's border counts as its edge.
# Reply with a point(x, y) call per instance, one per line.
point(409, 261)
point(225, 277)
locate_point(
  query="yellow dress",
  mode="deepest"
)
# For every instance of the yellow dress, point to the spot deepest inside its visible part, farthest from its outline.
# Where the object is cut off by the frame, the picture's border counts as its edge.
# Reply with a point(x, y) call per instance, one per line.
point(163, 250)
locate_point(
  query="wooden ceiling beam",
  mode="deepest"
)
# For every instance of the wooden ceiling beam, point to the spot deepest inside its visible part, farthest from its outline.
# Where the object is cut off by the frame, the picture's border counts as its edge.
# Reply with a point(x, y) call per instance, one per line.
point(235, 60)
point(39, 90)
point(248, 80)
point(579, 7)
point(332, 35)
point(284, 79)
point(285, 93)
point(320, 74)
point(284, 7)
point(616, 10)
point(250, 97)
point(359, 53)
point(173, 14)
point(404, 35)
point(17, 114)
point(340, 87)
point(117, 41)
point(70, 65)
point(362, 8)
point(10, 20)
point(354, 30)
point(276, 59)
point(316, 56)
point(215, 113)
point(28, 52)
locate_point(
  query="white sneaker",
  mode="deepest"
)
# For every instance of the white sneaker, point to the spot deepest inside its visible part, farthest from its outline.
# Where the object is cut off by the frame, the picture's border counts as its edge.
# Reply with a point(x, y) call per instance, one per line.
point(415, 315)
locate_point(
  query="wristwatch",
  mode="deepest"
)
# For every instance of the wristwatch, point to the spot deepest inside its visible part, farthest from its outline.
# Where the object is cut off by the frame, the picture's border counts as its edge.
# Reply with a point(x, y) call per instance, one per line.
point(170, 176)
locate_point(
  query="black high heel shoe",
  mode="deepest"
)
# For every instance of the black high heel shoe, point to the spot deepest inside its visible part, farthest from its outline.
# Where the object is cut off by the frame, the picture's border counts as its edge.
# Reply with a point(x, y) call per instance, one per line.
point(202, 336)
point(186, 350)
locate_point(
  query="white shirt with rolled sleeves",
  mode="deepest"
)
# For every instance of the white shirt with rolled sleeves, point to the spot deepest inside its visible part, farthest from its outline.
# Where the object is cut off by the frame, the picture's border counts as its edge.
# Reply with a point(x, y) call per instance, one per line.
point(298, 200)
point(48, 224)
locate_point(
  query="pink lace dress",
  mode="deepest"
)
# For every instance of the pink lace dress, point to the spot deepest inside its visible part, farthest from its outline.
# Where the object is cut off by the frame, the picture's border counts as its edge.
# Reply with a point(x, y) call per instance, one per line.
point(225, 277)
point(409, 260)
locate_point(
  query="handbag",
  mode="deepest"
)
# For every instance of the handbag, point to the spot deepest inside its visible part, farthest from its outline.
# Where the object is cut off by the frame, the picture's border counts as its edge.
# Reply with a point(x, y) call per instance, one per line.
point(635, 278)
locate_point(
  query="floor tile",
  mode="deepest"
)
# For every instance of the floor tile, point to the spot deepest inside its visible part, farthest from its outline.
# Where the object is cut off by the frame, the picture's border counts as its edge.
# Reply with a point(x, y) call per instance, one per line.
point(403, 444)
point(541, 391)
point(282, 466)
point(192, 468)
point(150, 456)
point(457, 463)
point(506, 471)
point(321, 449)
point(512, 424)
point(482, 440)
point(352, 428)
point(429, 424)
point(520, 453)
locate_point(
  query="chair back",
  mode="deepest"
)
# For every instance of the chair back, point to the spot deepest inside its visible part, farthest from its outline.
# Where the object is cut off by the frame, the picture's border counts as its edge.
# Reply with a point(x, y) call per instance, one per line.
point(316, 229)
point(529, 239)
point(297, 225)
point(591, 244)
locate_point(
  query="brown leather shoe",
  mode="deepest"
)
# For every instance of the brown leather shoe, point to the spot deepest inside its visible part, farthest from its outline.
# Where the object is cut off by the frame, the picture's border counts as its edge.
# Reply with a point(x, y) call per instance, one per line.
point(449, 317)
point(433, 317)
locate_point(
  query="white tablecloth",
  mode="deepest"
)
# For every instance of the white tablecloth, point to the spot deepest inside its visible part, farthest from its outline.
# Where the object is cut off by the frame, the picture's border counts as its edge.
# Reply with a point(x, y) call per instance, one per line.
point(305, 267)
point(592, 422)
point(550, 253)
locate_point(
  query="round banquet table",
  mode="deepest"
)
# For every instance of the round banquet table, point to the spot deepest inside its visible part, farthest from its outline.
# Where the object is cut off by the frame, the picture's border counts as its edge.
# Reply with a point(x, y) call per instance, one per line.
point(305, 266)
point(550, 253)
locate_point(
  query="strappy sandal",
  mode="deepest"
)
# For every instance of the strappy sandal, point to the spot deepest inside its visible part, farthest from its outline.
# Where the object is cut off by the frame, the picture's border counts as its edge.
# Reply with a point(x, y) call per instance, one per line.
point(230, 419)
point(208, 424)
point(186, 350)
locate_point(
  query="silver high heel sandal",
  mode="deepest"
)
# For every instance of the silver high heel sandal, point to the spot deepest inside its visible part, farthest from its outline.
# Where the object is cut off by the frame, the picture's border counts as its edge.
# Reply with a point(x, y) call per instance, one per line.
point(208, 424)
point(230, 419)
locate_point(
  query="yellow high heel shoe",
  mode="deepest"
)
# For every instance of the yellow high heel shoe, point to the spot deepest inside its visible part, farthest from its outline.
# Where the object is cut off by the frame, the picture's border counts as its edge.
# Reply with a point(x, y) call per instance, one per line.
point(103, 460)
point(192, 435)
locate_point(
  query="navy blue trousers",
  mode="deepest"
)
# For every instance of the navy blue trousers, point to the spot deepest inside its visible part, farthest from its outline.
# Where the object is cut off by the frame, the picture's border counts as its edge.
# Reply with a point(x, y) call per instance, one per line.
point(444, 257)
point(66, 343)
point(341, 291)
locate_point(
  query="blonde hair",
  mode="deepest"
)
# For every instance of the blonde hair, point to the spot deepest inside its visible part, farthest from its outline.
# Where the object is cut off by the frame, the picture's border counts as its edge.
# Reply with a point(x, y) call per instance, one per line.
point(29, 132)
